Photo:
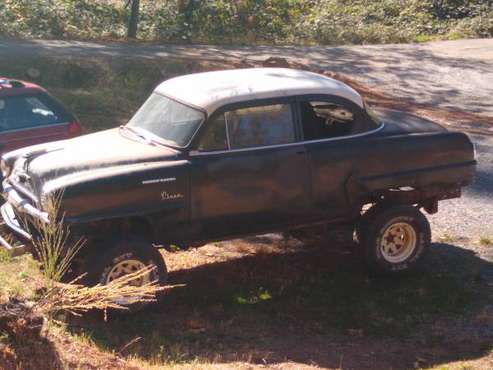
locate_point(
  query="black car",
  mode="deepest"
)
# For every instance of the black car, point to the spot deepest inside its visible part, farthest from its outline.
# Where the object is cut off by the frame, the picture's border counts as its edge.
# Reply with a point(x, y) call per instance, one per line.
point(217, 155)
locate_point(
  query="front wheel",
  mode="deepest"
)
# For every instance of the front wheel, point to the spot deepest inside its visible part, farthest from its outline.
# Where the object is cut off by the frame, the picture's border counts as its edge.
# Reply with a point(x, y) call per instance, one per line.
point(125, 257)
point(394, 239)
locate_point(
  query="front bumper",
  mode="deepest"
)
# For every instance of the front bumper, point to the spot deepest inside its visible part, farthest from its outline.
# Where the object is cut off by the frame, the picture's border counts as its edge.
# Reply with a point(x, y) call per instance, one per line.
point(12, 196)
point(13, 237)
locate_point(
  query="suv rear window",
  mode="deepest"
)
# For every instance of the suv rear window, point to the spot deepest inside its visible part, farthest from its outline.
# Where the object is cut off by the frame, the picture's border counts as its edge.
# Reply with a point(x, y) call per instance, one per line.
point(17, 112)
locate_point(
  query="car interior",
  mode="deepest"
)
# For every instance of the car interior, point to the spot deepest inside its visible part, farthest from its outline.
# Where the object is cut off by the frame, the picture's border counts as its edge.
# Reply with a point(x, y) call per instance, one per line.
point(322, 120)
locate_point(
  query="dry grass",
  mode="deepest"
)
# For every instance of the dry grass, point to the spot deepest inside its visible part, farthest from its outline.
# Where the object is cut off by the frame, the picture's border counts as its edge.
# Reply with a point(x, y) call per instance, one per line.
point(78, 299)
point(54, 247)
point(486, 241)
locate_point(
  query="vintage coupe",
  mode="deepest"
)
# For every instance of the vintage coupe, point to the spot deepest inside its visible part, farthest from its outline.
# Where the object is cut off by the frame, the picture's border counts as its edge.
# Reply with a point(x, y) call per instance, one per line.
point(216, 155)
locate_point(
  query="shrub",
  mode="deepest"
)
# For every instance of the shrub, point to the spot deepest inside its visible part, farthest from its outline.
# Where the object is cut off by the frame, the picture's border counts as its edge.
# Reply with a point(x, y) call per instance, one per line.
point(272, 21)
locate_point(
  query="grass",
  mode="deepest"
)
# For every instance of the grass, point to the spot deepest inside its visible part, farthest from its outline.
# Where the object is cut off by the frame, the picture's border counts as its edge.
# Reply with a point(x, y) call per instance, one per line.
point(448, 238)
point(19, 277)
point(486, 241)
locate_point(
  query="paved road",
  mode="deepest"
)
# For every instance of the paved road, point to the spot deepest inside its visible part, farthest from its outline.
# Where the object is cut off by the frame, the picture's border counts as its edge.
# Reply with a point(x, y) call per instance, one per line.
point(451, 74)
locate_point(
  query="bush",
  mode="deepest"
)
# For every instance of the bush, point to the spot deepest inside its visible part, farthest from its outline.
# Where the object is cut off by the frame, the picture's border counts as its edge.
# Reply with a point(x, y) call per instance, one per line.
point(240, 21)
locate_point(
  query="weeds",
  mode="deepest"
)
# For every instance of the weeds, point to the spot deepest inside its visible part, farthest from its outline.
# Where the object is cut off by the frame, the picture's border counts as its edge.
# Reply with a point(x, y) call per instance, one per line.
point(486, 241)
point(447, 238)
point(52, 243)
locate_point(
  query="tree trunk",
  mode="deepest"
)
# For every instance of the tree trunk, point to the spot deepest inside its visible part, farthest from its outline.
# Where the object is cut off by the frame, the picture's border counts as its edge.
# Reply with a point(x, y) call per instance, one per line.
point(133, 22)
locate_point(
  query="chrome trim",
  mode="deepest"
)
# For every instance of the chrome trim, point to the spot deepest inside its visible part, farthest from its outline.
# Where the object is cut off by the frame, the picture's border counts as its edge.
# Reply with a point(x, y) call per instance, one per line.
point(13, 250)
point(12, 196)
point(379, 128)
point(227, 130)
point(10, 224)
point(23, 190)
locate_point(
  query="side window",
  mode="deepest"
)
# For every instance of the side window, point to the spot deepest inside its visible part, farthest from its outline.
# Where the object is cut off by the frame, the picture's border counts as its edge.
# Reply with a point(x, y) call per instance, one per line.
point(260, 126)
point(215, 135)
point(323, 120)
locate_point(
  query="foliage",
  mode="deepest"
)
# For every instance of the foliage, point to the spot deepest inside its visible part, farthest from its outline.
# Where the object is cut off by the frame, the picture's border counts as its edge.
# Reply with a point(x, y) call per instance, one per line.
point(248, 21)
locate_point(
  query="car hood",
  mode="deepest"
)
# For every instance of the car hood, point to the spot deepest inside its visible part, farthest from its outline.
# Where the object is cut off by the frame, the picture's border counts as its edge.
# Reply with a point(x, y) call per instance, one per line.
point(91, 152)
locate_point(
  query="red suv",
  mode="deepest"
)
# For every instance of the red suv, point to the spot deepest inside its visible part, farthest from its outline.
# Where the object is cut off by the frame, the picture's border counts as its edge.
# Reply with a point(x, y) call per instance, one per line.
point(30, 115)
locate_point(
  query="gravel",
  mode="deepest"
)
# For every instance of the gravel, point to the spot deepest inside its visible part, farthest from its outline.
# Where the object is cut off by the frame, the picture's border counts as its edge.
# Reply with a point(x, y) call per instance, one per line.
point(470, 216)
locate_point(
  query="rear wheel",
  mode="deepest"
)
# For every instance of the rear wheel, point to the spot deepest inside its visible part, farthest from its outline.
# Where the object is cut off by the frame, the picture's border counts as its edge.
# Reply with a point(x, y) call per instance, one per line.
point(394, 239)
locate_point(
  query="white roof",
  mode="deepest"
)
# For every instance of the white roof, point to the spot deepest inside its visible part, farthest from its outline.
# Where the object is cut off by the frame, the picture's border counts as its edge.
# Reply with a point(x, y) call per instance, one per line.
point(211, 90)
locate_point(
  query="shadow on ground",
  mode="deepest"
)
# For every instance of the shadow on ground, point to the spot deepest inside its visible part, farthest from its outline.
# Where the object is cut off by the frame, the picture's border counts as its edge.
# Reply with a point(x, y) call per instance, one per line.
point(313, 306)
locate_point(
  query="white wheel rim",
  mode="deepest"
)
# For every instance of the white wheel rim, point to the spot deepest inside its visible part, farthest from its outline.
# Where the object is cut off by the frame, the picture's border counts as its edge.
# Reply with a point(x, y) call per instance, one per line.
point(126, 267)
point(398, 242)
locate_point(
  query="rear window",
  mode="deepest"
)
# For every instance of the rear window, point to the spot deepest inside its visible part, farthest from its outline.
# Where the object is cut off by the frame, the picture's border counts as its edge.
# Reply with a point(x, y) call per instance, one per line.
point(17, 112)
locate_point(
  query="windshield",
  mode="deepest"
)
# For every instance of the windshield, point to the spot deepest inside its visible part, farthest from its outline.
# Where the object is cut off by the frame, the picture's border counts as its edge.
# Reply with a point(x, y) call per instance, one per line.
point(171, 121)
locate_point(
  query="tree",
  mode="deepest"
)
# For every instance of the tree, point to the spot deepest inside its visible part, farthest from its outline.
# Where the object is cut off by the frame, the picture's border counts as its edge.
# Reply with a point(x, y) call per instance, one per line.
point(133, 22)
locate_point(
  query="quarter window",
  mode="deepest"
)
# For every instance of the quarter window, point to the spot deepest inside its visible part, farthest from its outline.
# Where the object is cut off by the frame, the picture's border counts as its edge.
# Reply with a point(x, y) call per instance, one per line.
point(323, 120)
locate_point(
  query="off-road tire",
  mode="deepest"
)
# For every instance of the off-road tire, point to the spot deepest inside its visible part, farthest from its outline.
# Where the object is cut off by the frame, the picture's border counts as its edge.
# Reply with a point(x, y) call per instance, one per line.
point(378, 222)
point(99, 265)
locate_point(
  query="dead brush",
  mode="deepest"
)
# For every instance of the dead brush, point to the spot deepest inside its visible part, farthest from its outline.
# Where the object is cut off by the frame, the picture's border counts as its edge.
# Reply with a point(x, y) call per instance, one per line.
point(78, 299)
point(56, 252)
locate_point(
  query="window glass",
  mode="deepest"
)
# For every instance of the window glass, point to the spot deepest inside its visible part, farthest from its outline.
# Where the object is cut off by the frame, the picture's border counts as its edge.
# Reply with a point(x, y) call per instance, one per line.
point(260, 126)
point(322, 120)
point(171, 121)
point(18, 112)
point(215, 135)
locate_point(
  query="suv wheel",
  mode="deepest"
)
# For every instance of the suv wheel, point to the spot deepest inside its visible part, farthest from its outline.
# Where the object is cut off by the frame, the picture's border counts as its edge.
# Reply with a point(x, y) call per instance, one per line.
point(394, 239)
point(125, 257)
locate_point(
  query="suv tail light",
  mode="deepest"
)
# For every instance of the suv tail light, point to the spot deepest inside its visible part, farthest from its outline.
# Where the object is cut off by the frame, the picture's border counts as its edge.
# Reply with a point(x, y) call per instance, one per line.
point(74, 129)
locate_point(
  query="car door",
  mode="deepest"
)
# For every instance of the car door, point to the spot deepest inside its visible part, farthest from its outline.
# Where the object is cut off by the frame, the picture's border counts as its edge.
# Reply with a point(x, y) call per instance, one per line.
point(332, 128)
point(249, 172)
point(31, 119)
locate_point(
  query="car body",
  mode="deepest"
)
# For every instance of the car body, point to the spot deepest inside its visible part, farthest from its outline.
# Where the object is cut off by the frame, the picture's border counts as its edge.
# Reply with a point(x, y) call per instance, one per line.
point(217, 155)
point(30, 115)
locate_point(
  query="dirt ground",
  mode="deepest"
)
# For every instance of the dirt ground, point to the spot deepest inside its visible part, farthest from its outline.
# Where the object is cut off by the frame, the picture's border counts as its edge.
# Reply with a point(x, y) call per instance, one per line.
point(271, 302)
